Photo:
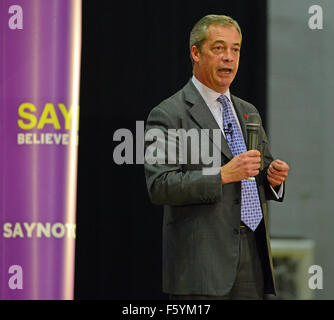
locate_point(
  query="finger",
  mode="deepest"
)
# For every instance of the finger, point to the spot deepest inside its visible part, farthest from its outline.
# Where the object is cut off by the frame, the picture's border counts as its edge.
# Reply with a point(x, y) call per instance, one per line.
point(274, 182)
point(255, 160)
point(276, 165)
point(253, 153)
point(272, 170)
point(256, 167)
point(277, 179)
point(280, 165)
point(282, 173)
point(253, 173)
point(278, 161)
point(256, 172)
point(277, 175)
point(245, 159)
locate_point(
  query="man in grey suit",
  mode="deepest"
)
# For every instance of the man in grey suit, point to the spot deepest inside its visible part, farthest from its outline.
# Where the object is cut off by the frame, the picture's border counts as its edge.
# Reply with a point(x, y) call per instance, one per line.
point(209, 251)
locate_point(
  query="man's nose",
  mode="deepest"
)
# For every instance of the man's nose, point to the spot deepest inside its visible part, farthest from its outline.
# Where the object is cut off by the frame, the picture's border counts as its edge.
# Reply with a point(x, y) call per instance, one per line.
point(227, 55)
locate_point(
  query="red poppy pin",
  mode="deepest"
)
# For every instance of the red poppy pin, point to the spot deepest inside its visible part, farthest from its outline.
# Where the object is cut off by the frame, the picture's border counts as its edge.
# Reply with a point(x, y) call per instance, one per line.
point(246, 116)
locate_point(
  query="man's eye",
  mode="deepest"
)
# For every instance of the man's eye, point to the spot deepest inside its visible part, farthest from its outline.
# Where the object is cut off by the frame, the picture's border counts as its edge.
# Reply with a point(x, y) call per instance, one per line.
point(236, 49)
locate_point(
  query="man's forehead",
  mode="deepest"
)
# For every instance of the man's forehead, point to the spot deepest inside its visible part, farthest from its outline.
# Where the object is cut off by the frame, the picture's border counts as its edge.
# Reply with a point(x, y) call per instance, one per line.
point(224, 33)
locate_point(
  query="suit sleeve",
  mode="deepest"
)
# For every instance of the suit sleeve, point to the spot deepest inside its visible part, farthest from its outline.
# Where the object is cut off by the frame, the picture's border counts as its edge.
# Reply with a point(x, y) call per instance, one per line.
point(169, 184)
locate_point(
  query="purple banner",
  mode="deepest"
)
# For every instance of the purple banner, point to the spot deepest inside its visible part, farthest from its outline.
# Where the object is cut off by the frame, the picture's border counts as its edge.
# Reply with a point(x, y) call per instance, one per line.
point(39, 111)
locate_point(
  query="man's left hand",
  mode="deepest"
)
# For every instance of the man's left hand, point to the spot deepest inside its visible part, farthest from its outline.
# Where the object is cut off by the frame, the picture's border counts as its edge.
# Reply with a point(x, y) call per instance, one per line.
point(277, 172)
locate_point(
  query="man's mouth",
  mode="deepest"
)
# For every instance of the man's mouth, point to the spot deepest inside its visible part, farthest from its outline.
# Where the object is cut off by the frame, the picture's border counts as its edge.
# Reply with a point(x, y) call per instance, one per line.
point(225, 70)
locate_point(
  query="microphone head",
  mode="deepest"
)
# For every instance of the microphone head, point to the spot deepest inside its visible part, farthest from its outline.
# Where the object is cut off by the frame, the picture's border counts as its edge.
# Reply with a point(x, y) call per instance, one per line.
point(253, 126)
point(253, 121)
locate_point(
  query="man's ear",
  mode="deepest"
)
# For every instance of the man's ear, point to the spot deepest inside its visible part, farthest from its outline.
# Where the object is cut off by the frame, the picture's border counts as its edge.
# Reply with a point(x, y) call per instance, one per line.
point(195, 53)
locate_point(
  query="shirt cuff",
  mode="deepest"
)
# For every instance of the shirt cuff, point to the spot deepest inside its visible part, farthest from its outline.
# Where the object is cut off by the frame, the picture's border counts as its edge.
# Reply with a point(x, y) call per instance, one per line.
point(278, 194)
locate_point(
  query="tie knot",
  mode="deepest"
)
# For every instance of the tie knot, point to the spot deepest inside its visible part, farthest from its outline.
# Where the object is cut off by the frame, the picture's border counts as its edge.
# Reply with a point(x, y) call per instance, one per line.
point(223, 100)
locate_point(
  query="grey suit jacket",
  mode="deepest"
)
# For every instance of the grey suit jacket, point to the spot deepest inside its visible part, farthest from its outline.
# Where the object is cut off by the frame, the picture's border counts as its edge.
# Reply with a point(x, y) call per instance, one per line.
point(201, 226)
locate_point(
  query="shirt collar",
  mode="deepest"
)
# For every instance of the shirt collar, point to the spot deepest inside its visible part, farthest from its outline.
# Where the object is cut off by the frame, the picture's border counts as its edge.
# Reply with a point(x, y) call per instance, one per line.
point(210, 96)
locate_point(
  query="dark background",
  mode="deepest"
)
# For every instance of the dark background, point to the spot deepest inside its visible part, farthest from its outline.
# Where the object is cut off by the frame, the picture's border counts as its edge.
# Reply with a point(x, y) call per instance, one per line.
point(134, 55)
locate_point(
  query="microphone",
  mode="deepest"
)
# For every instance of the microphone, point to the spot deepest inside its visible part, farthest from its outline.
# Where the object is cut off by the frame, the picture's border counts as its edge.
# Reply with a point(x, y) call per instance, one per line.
point(253, 126)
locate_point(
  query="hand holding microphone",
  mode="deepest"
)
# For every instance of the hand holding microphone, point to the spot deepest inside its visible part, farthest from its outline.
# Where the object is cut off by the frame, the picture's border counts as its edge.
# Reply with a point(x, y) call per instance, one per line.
point(241, 167)
point(246, 165)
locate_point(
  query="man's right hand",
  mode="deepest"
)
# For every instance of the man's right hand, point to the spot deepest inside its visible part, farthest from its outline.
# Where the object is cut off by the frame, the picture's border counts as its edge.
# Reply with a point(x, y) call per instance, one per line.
point(242, 166)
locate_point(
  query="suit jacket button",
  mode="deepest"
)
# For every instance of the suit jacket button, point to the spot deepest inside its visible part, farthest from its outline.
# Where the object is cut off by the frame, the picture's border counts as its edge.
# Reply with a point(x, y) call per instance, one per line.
point(237, 201)
point(236, 231)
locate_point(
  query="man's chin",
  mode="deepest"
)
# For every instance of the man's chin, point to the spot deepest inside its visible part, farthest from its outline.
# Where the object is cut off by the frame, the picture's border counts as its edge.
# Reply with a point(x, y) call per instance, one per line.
point(225, 77)
point(224, 84)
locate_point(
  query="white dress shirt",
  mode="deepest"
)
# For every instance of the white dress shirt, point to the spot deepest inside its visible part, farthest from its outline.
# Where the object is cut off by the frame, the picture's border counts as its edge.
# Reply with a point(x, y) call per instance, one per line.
point(210, 97)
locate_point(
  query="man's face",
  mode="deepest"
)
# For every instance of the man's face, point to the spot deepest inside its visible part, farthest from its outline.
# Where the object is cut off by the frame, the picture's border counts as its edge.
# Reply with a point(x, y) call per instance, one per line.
point(217, 63)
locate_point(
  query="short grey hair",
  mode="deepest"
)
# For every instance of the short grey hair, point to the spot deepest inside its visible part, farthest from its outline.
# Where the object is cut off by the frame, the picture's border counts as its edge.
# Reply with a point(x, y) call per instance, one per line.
point(199, 33)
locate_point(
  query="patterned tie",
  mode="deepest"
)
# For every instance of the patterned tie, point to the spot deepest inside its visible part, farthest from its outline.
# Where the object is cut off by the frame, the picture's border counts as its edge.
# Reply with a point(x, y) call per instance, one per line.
point(251, 212)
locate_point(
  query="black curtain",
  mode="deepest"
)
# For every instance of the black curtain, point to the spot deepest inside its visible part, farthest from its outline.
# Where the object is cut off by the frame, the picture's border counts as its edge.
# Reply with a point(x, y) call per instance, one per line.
point(135, 54)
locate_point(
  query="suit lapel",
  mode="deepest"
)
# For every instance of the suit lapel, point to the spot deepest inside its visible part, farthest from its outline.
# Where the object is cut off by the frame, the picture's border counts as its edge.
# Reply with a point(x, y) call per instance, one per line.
point(204, 118)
